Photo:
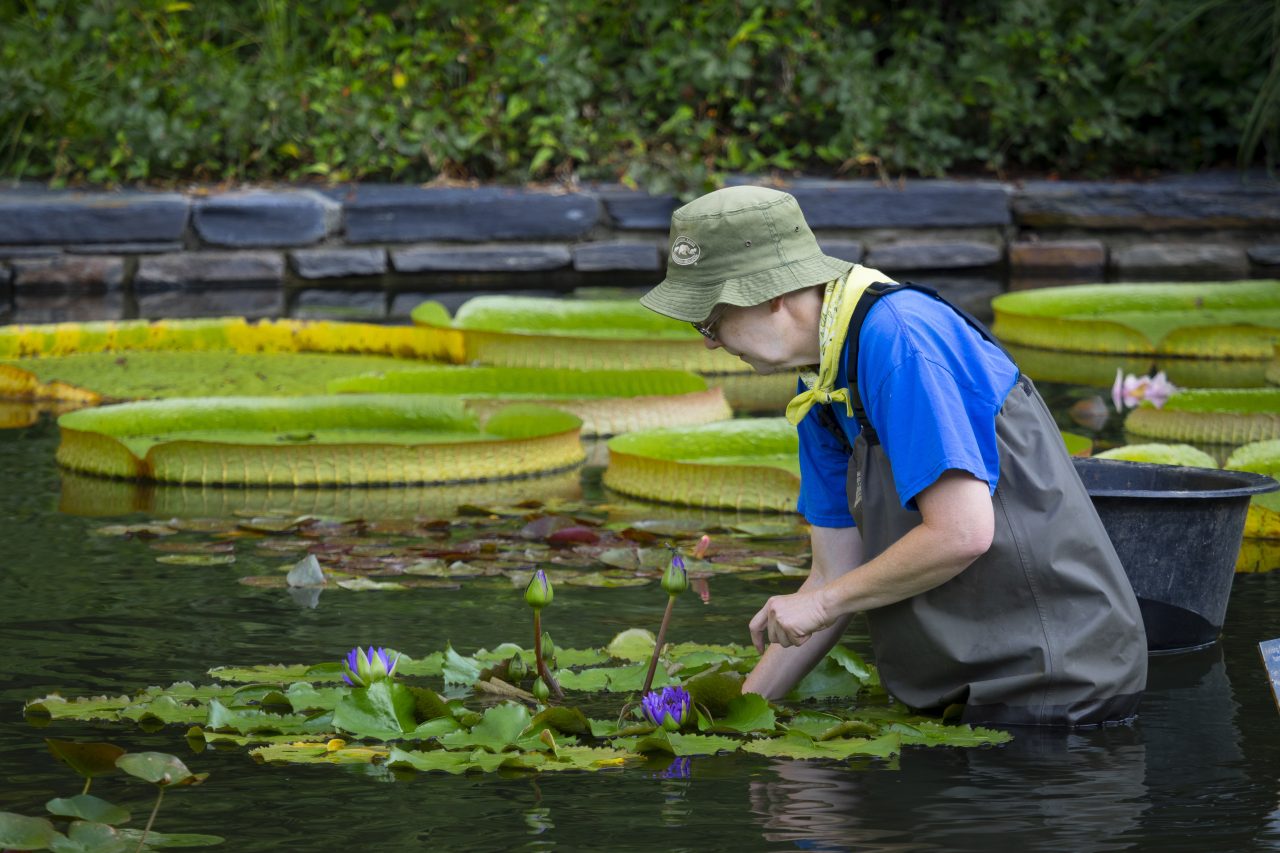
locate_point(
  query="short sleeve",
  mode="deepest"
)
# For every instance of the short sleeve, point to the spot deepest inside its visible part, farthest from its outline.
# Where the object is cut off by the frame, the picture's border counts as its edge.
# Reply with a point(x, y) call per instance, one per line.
point(824, 466)
point(930, 425)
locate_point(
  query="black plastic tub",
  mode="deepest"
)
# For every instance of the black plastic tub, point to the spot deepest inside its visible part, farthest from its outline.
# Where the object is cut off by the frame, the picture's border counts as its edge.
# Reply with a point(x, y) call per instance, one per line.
point(1177, 531)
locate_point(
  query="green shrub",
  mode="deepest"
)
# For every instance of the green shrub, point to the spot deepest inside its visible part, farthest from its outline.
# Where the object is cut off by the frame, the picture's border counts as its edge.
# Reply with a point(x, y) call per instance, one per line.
point(661, 93)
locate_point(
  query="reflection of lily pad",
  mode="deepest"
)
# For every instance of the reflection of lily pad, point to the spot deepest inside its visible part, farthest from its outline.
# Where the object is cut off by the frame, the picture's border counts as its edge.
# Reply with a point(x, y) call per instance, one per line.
point(1238, 320)
point(607, 401)
point(356, 439)
point(743, 464)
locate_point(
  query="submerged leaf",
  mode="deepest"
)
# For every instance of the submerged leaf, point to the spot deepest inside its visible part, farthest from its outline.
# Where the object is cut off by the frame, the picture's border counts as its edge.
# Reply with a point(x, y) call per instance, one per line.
point(87, 759)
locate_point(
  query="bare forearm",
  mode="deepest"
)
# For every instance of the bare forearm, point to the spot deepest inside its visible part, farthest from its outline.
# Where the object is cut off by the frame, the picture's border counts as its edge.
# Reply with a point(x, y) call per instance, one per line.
point(781, 668)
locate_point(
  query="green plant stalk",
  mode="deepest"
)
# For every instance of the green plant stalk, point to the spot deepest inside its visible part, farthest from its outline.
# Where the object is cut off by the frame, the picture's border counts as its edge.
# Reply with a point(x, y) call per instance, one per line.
point(543, 669)
point(151, 820)
point(87, 781)
point(657, 646)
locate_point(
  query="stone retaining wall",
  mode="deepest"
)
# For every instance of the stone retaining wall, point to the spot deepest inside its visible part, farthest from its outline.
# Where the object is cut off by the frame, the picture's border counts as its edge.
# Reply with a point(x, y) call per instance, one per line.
point(372, 252)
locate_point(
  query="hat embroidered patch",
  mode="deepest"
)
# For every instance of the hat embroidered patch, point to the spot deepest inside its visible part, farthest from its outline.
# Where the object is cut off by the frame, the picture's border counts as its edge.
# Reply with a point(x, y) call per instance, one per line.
point(684, 252)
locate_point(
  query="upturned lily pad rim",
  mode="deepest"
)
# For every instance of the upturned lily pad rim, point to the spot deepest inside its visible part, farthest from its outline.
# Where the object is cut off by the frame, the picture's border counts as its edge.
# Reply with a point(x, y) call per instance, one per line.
point(492, 380)
point(650, 326)
point(387, 411)
point(723, 439)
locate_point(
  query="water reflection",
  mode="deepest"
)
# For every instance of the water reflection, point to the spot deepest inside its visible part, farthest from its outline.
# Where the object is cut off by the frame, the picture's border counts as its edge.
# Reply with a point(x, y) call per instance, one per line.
point(1105, 790)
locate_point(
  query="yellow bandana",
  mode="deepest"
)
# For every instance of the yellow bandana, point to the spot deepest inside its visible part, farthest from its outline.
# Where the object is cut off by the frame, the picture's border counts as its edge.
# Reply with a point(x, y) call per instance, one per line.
point(838, 303)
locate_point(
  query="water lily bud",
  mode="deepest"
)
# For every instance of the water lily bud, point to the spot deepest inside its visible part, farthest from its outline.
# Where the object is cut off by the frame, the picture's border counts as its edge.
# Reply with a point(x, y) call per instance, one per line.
point(675, 579)
point(516, 669)
point(548, 648)
point(538, 593)
point(541, 691)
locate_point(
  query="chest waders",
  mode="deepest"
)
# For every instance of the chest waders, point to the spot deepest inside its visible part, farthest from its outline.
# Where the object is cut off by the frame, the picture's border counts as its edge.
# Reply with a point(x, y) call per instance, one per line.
point(1042, 629)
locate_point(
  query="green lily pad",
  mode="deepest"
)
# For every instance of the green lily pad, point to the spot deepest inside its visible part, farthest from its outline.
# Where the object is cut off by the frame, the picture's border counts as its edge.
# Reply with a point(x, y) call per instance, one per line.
point(563, 719)
point(748, 713)
point(458, 669)
point(498, 731)
point(159, 768)
point(90, 837)
point(680, 744)
point(19, 832)
point(88, 807)
point(634, 644)
point(383, 710)
point(795, 745)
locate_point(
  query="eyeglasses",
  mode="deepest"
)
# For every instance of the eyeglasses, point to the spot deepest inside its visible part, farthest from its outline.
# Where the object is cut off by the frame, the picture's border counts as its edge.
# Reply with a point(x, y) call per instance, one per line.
point(707, 328)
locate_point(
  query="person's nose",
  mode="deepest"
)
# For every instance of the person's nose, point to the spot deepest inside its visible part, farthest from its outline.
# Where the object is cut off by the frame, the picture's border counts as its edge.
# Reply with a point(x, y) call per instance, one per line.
point(711, 343)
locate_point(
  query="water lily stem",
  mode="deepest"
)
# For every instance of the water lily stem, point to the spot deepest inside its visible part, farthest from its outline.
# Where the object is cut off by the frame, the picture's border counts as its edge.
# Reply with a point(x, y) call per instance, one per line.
point(88, 780)
point(543, 670)
point(657, 646)
point(150, 820)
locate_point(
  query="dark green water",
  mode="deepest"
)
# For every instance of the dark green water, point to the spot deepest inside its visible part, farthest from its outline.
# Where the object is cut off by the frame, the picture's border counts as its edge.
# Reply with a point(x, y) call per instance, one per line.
point(86, 614)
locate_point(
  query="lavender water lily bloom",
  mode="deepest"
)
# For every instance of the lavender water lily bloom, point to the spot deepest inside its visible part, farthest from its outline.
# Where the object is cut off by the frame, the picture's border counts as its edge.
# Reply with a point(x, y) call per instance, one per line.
point(361, 668)
point(669, 708)
point(1129, 391)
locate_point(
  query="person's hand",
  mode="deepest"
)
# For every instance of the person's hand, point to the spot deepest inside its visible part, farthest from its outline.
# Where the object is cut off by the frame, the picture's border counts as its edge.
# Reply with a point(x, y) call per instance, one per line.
point(789, 620)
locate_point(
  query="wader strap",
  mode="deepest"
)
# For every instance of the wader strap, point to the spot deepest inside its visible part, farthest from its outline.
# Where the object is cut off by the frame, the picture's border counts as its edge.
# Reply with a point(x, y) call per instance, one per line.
point(865, 303)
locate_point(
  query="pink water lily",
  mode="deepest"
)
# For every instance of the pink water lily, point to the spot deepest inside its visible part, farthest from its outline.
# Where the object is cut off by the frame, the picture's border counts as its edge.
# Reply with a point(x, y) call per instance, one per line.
point(1129, 391)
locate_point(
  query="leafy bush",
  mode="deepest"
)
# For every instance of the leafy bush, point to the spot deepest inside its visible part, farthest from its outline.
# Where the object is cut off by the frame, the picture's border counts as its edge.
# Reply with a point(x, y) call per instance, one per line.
point(662, 93)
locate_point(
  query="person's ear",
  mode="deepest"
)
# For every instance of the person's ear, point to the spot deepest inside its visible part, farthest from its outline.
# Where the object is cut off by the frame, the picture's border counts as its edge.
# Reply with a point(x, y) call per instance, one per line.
point(775, 304)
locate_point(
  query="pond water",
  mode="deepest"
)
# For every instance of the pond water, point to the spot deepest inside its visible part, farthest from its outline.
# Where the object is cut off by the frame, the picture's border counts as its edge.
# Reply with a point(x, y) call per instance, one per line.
point(85, 614)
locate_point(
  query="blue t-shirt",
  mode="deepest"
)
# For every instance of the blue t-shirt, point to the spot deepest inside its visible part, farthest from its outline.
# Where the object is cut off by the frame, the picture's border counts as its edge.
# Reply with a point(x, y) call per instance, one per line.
point(931, 386)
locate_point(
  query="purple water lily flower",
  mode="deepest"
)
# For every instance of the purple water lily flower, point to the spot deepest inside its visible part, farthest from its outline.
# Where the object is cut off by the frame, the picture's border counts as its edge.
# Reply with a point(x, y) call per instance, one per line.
point(361, 668)
point(668, 708)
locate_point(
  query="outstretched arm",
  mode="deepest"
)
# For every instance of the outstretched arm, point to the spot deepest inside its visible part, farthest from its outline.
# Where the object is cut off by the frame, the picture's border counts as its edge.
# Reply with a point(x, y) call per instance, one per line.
point(957, 523)
point(836, 551)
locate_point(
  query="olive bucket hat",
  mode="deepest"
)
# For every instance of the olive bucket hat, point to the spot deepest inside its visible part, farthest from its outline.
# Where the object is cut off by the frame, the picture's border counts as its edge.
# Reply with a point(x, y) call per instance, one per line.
point(740, 246)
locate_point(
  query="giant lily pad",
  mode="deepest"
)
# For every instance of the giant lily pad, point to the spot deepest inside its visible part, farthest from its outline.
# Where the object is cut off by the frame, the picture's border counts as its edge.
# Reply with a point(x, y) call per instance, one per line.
point(305, 441)
point(1163, 454)
point(539, 332)
point(742, 464)
point(1228, 416)
point(1261, 457)
point(1239, 320)
point(607, 401)
point(82, 362)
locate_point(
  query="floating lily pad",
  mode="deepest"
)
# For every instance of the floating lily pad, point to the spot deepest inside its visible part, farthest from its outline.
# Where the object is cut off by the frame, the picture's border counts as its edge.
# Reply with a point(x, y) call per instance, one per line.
point(742, 464)
point(1225, 416)
point(1263, 520)
point(607, 401)
point(1239, 320)
point(1163, 454)
point(596, 334)
point(355, 439)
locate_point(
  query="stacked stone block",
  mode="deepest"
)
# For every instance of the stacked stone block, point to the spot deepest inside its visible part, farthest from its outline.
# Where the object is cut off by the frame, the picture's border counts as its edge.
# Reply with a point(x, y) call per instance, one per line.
point(371, 252)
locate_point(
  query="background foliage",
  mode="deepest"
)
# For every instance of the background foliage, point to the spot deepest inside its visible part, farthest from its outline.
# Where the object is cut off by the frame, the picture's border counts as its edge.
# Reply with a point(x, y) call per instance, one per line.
point(658, 92)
